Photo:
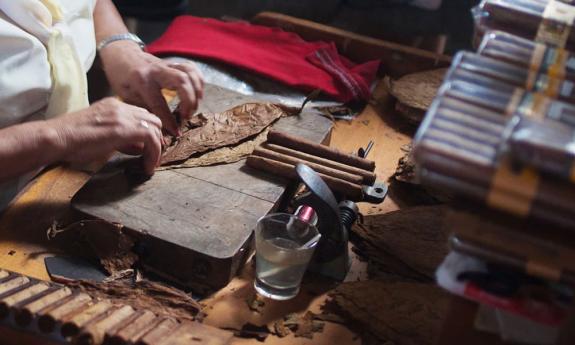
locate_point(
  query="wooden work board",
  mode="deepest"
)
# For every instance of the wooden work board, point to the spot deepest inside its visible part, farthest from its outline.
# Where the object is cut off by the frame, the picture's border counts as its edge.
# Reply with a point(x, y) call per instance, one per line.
point(194, 225)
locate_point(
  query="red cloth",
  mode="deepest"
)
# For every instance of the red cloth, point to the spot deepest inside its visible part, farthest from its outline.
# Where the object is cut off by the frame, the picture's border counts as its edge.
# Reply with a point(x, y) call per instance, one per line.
point(280, 55)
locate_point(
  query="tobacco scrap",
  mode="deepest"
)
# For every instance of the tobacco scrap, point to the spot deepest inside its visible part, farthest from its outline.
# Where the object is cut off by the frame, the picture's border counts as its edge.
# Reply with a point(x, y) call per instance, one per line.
point(403, 313)
point(409, 243)
point(214, 130)
point(256, 303)
point(156, 297)
point(251, 331)
point(303, 326)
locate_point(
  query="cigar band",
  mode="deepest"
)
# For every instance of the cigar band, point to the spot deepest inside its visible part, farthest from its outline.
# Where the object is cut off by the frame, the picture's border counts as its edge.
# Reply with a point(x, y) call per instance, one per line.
point(543, 270)
point(555, 27)
point(545, 85)
point(516, 98)
point(555, 62)
point(533, 106)
point(513, 191)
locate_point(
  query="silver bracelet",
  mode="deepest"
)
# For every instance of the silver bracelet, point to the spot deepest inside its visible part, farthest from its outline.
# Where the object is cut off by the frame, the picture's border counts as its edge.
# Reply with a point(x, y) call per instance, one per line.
point(120, 37)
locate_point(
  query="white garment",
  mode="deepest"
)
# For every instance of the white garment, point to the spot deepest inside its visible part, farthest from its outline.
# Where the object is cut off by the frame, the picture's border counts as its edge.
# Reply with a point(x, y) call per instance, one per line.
point(26, 81)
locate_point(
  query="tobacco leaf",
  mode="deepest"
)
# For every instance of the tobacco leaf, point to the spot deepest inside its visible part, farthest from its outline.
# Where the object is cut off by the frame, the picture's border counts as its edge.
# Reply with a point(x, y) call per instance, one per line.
point(409, 243)
point(158, 298)
point(214, 130)
point(229, 154)
point(401, 313)
point(415, 92)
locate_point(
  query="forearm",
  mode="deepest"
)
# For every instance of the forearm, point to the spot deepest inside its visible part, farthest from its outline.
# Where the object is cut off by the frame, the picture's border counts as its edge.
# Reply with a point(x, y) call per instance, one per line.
point(107, 20)
point(26, 147)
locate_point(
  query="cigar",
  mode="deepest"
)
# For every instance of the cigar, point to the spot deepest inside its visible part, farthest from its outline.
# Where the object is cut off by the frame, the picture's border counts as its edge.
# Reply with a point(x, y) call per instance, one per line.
point(280, 157)
point(309, 147)
point(368, 177)
point(132, 329)
point(69, 305)
point(161, 330)
point(73, 323)
point(353, 191)
point(93, 333)
point(24, 315)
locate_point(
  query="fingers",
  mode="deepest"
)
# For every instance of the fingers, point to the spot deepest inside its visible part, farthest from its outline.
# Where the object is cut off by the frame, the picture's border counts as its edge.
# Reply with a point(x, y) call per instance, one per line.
point(153, 99)
point(150, 134)
point(195, 77)
point(174, 79)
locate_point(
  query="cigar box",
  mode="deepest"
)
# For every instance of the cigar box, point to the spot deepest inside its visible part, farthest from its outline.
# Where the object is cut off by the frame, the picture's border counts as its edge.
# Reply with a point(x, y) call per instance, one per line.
point(546, 21)
point(461, 147)
point(533, 56)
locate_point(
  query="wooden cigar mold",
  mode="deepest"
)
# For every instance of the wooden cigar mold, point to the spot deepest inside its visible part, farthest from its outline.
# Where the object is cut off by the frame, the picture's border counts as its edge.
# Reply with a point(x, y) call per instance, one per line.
point(55, 314)
point(343, 173)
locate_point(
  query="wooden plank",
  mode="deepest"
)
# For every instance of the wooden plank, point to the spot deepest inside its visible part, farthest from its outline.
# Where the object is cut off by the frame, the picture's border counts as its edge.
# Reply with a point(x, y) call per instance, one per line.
point(206, 211)
point(397, 59)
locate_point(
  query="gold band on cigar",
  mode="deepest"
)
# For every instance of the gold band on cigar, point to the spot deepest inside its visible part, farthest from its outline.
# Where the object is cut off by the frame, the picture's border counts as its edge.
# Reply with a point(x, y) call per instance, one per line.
point(555, 27)
point(533, 105)
point(543, 270)
point(511, 191)
point(557, 68)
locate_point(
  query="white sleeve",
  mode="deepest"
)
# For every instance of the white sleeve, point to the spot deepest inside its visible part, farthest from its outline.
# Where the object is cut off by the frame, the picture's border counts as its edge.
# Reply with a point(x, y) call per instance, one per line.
point(25, 80)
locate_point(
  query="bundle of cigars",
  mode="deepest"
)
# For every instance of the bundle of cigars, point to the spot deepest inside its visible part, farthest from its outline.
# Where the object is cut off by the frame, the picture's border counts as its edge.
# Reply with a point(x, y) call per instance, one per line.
point(345, 174)
point(50, 313)
point(500, 135)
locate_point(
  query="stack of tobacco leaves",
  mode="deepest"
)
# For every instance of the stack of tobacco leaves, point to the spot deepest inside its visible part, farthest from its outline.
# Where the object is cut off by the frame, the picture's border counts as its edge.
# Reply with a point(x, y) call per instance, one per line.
point(399, 304)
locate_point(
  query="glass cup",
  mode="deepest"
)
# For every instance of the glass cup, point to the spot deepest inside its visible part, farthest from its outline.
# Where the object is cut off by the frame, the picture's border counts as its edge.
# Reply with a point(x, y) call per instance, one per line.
point(284, 247)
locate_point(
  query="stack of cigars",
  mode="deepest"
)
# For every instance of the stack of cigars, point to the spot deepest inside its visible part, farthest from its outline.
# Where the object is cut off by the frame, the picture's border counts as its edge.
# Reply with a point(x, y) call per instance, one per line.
point(55, 314)
point(500, 135)
point(344, 173)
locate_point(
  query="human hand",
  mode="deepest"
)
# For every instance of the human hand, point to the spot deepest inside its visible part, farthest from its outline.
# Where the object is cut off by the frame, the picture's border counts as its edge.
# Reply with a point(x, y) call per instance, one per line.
point(107, 126)
point(138, 77)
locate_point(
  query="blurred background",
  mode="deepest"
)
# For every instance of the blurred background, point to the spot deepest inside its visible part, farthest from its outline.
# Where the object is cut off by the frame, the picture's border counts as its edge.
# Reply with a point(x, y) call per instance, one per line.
point(402, 21)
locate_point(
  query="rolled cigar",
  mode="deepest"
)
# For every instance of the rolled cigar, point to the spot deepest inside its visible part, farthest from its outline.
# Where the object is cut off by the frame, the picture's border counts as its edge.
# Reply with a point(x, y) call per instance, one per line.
point(159, 332)
point(70, 305)
point(368, 177)
point(94, 333)
point(133, 328)
point(13, 299)
point(280, 157)
point(307, 146)
point(25, 314)
point(524, 18)
point(73, 323)
point(353, 191)
point(13, 283)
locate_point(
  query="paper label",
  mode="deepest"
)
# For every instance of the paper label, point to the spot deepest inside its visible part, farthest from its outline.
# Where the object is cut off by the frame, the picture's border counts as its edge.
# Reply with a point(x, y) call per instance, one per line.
point(533, 105)
point(555, 27)
point(513, 191)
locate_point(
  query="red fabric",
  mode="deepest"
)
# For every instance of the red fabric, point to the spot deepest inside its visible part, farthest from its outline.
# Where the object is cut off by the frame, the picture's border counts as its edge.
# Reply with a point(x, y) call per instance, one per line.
point(272, 52)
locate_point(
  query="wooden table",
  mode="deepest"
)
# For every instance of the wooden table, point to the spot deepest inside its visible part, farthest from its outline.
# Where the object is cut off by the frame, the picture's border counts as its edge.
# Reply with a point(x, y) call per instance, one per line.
point(24, 244)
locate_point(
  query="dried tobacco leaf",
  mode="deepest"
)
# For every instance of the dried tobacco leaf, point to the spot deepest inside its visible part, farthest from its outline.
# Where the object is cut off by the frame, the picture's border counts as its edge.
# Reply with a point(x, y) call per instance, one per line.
point(159, 298)
point(214, 130)
point(409, 243)
point(403, 313)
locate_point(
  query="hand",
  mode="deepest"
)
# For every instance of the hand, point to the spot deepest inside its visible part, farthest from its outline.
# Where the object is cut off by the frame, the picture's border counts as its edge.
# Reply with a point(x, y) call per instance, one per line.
point(107, 126)
point(138, 77)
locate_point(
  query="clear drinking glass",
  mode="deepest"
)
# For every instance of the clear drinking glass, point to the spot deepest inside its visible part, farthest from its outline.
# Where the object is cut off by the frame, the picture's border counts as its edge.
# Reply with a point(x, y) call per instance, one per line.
point(284, 247)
